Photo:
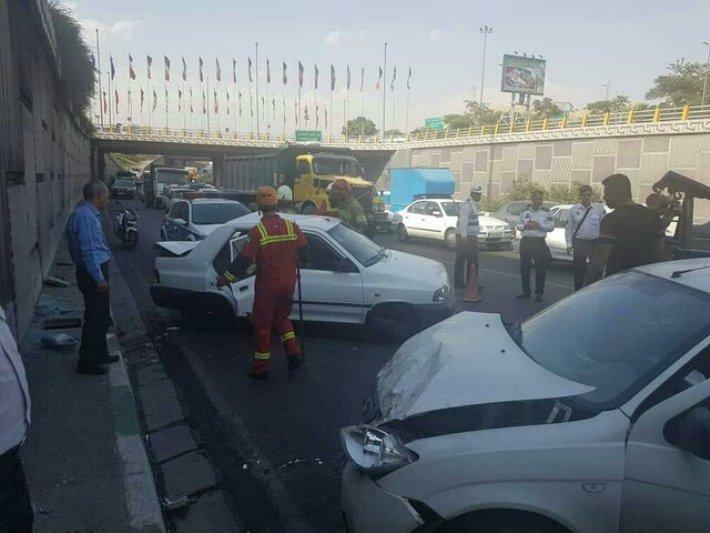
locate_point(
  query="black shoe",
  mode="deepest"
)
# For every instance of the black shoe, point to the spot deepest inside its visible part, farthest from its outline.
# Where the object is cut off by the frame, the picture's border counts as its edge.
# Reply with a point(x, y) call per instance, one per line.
point(523, 295)
point(294, 361)
point(110, 359)
point(538, 297)
point(91, 370)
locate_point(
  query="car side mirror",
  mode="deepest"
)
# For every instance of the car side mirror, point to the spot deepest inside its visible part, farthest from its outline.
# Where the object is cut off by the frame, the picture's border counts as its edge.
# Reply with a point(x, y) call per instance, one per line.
point(344, 265)
point(690, 431)
point(180, 221)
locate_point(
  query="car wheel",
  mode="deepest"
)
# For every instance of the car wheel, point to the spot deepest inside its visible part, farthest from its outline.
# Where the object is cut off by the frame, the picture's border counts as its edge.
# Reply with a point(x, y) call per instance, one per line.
point(402, 234)
point(450, 238)
point(308, 208)
point(392, 322)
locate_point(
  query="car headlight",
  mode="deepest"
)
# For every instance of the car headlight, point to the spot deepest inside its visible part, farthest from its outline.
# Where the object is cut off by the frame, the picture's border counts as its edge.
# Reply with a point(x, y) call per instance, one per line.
point(375, 451)
point(441, 294)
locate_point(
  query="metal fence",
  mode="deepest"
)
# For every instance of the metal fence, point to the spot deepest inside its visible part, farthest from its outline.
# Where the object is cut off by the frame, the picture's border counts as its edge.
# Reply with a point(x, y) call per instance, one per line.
point(503, 126)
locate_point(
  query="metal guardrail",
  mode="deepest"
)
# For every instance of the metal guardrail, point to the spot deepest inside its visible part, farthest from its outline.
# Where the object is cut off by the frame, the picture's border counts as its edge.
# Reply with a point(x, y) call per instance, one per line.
point(589, 120)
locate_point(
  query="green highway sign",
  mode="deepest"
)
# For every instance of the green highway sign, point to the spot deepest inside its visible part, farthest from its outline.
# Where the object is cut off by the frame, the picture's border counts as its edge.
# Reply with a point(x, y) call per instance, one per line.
point(308, 135)
point(436, 123)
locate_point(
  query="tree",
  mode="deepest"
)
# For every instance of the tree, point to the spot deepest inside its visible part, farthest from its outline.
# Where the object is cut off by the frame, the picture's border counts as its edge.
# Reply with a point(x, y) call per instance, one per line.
point(360, 125)
point(617, 105)
point(682, 85)
point(393, 133)
point(481, 114)
point(545, 108)
point(457, 122)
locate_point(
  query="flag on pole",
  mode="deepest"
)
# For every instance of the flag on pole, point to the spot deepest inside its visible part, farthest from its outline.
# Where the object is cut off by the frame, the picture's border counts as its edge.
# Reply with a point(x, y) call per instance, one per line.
point(116, 108)
point(234, 71)
point(249, 69)
point(317, 117)
point(179, 101)
point(202, 76)
point(300, 74)
point(142, 99)
point(285, 77)
point(379, 80)
point(226, 93)
point(218, 70)
point(105, 103)
point(167, 68)
point(394, 77)
point(268, 71)
point(192, 109)
point(113, 69)
point(155, 100)
point(349, 79)
point(332, 77)
point(409, 78)
point(315, 75)
point(131, 72)
point(362, 79)
point(184, 70)
point(305, 112)
point(216, 105)
point(204, 103)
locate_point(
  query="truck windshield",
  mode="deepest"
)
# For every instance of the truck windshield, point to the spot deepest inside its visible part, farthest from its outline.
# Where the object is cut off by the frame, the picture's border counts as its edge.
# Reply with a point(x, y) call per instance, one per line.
point(323, 166)
point(171, 176)
point(616, 335)
point(363, 249)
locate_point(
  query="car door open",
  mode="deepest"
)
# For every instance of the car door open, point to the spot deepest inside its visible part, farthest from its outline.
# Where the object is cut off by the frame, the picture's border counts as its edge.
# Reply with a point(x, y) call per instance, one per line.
point(243, 289)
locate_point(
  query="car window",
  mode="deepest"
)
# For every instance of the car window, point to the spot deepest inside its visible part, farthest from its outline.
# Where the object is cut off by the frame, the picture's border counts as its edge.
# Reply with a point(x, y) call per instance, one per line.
point(417, 207)
point(181, 211)
point(319, 255)
point(617, 335)
point(228, 252)
point(562, 216)
point(432, 208)
point(451, 208)
point(363, 249)
point(173, 210)
point(304, 168)
point(217, 213)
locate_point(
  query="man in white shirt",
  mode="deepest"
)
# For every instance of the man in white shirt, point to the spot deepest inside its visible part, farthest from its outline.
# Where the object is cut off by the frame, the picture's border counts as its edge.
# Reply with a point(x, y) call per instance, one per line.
point(15, 507)
point(582, 232)
point(467, 227)
point(535, 224)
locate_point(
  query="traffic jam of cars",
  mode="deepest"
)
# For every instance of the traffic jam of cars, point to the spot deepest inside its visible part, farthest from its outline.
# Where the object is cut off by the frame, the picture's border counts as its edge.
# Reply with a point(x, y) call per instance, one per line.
point(591, 415)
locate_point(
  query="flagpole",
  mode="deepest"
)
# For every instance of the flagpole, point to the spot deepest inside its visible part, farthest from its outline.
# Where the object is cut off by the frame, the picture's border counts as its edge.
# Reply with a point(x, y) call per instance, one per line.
point(101, 89)
point(384, 97)
point(208, 107)
point(110, 100)
point(406, 108)
point(284, 99)
point(362, 106)
point(256, 64)
point(165, 86)
point(347, 101)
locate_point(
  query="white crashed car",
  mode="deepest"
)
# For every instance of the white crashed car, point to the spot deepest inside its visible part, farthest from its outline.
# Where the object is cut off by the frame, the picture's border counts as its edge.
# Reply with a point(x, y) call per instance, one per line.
point(346, 278)
point(435, 218)
point(593, 415)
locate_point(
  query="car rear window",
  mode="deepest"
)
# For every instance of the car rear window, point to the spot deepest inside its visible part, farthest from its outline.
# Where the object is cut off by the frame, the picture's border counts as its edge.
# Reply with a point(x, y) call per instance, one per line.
point(217, 213)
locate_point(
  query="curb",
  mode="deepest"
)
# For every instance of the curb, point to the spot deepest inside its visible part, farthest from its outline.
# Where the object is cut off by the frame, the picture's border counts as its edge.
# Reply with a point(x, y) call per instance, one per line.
point(141, 496)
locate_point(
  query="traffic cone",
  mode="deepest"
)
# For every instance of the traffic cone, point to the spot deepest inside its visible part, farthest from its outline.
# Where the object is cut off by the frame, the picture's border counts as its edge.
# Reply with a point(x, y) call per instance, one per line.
point(472, 294)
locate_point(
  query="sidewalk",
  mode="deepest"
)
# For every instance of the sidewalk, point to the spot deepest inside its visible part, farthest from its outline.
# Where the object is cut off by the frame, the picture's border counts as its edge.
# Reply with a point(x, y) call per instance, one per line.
point(85, 461)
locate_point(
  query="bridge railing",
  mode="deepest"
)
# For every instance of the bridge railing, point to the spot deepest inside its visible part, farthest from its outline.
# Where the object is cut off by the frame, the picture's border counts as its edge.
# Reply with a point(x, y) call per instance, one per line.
point(503, 126)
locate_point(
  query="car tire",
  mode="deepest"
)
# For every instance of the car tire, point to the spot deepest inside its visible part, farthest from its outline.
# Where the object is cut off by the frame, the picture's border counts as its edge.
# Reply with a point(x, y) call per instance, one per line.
point(392, 323)
point(502, 521)
point(308, 208)
point(450, 238)
point(402, 235)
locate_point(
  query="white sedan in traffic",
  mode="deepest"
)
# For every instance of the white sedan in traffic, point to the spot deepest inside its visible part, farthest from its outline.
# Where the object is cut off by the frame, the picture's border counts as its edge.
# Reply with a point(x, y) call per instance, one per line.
point(593, 415)
point(346, 278)
point(435, 218)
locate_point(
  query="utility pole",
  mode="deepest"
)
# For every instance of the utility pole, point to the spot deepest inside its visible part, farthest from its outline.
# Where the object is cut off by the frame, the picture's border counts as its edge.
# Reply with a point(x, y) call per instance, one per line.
point(485, 31)
point(705, 80)
point(607, 88)
point(98, 69)
point(384, 96)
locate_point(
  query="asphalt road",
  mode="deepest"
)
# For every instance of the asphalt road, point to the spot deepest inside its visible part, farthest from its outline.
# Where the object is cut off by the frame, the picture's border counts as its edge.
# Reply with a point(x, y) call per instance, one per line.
point(275, 444)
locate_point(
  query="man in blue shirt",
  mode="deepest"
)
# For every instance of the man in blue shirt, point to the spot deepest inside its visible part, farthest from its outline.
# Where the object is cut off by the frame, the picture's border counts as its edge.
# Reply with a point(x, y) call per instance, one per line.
point(91, 254)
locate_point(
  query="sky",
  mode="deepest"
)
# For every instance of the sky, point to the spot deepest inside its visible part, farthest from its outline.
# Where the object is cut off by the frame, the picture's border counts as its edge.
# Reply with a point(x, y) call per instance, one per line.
point(586, 44)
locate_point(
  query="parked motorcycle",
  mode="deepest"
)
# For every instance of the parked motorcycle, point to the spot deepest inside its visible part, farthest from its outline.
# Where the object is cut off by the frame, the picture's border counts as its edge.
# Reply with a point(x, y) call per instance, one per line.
point(126, 226)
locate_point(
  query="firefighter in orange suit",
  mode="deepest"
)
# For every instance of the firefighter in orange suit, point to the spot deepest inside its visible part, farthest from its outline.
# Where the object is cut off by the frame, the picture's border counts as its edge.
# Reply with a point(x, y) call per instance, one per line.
point(273, 244)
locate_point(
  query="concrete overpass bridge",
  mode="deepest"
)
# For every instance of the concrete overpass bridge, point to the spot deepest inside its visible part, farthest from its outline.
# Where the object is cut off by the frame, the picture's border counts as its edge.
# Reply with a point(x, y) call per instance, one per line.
point(642, 144)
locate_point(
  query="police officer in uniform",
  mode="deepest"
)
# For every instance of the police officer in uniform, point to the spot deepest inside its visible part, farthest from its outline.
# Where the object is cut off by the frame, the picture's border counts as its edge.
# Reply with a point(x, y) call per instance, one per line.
point(534, 224)
point(467, 227)
point(582, 232)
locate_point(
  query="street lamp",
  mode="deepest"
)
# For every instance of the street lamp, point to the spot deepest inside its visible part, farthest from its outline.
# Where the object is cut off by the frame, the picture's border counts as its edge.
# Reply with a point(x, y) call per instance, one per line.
point(705, 80)
point(485, 31)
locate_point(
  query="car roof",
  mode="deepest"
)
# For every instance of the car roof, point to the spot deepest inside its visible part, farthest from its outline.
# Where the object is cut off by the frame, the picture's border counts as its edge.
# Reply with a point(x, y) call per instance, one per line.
point(214, 201)
point(694, 273)
point(304, 221)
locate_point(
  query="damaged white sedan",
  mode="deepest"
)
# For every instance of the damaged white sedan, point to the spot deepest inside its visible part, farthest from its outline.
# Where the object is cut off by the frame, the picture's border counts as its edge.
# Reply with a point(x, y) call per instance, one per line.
point(593, 415)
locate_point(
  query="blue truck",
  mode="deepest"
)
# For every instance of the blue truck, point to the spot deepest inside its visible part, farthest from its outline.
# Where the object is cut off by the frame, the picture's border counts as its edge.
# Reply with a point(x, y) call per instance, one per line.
point(408, 184)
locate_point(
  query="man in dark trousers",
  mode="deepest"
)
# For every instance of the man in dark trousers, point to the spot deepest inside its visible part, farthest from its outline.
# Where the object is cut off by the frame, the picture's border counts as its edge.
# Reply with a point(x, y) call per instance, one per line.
point(15, 507)
point(467, 227)
point(535, 224)
point(582, 232)
point(630, 236)
point(91, 255)
point(273, 244)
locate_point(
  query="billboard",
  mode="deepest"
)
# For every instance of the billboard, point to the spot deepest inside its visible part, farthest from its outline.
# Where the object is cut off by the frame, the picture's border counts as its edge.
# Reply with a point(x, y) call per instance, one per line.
point(436, 123)
point(524, 75)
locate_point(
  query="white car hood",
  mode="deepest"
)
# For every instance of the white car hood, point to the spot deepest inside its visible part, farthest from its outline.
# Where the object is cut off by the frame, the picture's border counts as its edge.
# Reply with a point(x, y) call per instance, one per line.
point(411, 268)
point(177, 247)
point(468, 359)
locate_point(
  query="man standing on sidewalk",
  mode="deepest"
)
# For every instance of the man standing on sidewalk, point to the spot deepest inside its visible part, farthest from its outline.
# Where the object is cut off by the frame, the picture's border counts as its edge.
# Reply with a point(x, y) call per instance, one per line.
point(582, 232)
point(535, 223)
point(91, 254)
point(15, 507)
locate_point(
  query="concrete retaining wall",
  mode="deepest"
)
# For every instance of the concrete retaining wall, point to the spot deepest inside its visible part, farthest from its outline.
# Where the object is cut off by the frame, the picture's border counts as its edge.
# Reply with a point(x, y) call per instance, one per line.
point(44, 156)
